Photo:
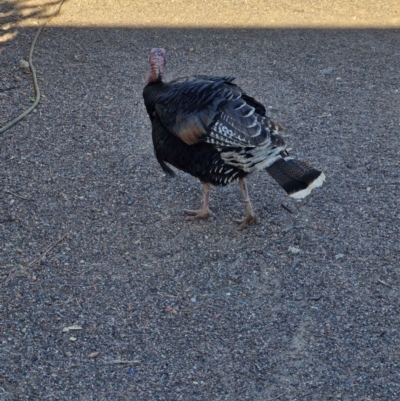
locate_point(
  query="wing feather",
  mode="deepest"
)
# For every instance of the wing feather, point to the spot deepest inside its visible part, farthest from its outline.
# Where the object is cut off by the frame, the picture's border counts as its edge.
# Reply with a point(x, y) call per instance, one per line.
point(214, 110)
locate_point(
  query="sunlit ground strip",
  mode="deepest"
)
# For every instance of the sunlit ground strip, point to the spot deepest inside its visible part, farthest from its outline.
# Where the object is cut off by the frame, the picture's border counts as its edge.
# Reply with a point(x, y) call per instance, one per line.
point(209, 13)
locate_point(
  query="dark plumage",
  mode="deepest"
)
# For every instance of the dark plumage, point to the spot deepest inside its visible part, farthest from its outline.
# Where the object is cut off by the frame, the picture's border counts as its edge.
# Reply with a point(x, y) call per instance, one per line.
point(208, 127)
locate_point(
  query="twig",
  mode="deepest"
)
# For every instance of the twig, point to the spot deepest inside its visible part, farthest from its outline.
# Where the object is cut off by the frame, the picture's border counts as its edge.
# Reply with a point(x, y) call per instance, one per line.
point(9, 220)
point(286, 208)
point(383, 283)
point(37, 260)
point(116, 361)
point(383, 183)
point(8, 89)
point(280, 395)
point(75, 365)
point(18, 196)
point(371, 184)
point(121, 362)
point(13, 271)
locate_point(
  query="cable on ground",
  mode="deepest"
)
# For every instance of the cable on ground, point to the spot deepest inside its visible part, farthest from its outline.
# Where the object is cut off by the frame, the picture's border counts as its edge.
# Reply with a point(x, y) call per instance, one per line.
point(32, 68)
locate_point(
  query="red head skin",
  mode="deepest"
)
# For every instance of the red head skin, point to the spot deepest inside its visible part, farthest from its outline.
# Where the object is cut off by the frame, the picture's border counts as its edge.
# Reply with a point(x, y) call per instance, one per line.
point(157, 60)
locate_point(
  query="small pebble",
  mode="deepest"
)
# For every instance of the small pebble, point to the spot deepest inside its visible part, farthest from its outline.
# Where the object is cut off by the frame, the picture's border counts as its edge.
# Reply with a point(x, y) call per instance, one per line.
point(294, 249)
point(72, 339)
point(24, 64)
point(93, 355)
point(168, 309)
point(74, 327)
point(193, 299)
point(339, 256)
point(327, 71)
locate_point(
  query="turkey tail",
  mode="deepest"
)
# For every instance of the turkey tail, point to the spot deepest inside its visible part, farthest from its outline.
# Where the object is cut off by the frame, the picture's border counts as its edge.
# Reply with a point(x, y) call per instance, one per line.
point(297, 178)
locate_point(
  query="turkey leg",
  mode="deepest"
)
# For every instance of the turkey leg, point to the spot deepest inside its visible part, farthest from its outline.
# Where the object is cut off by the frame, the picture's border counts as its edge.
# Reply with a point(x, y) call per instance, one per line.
point(204, 211)
point(250, 216)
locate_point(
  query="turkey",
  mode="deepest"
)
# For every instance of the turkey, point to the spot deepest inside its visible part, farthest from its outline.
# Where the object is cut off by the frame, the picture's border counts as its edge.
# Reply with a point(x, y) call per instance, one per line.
point(210, 128)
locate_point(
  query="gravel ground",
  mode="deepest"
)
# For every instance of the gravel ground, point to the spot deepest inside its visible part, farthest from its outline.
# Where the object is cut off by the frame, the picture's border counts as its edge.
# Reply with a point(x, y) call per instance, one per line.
point(129, 301)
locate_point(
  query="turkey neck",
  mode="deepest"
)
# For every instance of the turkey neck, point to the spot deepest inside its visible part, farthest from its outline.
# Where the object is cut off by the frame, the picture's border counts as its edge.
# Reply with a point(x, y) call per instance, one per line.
point(151, 92)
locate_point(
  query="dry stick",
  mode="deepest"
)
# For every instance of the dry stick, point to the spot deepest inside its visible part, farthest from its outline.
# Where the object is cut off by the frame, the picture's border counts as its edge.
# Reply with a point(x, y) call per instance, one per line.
point(18, 196)
point(8, 89)
point(122, 362)
point(374, 183)
point(75, 365)
point(383, 283)
point(285, 207)
point(117, 361)
point(37, 260)
point(280, 395)
point(10, 220)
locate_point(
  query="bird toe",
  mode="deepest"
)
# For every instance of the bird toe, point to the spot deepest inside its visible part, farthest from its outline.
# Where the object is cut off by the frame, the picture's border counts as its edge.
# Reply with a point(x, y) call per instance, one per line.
point(246, 221)
point(198, 214)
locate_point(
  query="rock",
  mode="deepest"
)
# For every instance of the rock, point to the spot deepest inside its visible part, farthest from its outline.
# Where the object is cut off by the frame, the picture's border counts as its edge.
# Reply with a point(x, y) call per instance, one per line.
point(294, 249)
point(24, 65)
point(74, 327)
point(327, 71)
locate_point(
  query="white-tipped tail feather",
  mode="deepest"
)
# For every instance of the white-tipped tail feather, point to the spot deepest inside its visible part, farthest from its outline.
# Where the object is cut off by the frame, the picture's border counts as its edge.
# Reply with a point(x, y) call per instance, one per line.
point(296, 177)
point(305, 192)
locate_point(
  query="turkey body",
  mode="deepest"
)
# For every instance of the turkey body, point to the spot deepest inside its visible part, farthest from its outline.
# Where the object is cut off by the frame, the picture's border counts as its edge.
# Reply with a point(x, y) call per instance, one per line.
point(210, 128)
point(174, 145)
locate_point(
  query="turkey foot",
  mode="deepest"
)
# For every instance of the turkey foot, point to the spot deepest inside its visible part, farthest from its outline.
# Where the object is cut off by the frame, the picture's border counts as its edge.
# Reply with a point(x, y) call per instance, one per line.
point(250, 219)
point(198, 214)
point(204, 212)
point(250, 216)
